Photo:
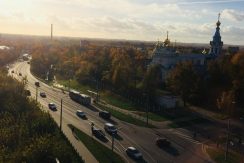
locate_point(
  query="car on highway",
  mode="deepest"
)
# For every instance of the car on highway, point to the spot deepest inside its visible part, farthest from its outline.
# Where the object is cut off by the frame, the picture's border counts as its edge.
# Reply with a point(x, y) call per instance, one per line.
point(28, 62)
point(20, 74)
point(162, 143)
point(133, 153)
point(27, 92)
point(43, 94)
point(52, 106)
point(104, 114)
point(81, 114)
point(98, 133)
point(12, 71)
point(110, 128)
point(37, 84)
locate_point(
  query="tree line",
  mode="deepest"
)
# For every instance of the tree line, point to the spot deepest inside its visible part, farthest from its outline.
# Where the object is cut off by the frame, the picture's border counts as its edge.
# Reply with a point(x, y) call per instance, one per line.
point(28, 134)
point(124, 70)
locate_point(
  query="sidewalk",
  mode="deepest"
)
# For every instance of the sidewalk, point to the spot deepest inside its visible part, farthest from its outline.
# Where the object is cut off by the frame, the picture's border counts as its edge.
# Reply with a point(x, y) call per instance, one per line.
point(212, 116)
point(79, 146)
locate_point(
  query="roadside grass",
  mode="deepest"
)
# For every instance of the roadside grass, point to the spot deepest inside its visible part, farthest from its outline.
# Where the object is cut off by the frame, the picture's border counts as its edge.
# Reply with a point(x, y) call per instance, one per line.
point(219, 156)
point(107, 96)
point(153, 116)
point(75, 85)
point(125, 117)
point(100, 152)
point(117, 100)
point(188, 122)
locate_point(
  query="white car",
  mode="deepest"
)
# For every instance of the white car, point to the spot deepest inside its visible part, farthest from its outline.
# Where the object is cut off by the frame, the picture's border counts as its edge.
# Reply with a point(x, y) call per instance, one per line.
point(110, 128)
point(81, 114)
point(134, 153)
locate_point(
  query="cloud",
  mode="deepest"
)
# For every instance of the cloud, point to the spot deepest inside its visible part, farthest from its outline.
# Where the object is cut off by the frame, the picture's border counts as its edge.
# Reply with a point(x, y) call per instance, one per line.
point(233, 15)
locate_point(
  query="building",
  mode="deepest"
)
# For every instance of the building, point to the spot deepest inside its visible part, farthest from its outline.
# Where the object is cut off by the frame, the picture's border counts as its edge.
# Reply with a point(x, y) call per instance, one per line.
point(168, 56)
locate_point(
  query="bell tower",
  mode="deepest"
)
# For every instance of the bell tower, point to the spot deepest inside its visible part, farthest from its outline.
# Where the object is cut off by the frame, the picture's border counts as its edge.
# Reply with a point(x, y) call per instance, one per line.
point(216, 43)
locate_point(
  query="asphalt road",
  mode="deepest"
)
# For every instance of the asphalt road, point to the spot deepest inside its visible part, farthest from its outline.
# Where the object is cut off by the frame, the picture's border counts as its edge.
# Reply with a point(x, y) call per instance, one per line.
point(184, 148)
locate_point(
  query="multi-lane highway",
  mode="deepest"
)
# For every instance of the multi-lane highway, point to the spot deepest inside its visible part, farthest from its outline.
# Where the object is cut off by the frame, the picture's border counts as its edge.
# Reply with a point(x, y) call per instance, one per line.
point(184, 148)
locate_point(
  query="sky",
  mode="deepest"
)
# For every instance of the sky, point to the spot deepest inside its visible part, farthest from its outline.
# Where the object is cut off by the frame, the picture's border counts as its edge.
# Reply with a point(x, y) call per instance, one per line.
point(190, 21)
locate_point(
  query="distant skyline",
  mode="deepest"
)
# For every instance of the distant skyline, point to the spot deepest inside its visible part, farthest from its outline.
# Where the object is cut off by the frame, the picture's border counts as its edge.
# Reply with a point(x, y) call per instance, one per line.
point(189, 21)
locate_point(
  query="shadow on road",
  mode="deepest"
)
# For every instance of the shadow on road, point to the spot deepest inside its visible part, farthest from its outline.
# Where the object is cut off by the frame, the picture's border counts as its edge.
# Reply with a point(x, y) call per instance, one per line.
point(140, 161)
point(118, 137)
point(92, 108)
point(103, 139)
point(171, 150)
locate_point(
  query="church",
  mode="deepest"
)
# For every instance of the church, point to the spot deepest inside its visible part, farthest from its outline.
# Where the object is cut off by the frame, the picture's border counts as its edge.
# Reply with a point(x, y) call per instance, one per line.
point(167, 56)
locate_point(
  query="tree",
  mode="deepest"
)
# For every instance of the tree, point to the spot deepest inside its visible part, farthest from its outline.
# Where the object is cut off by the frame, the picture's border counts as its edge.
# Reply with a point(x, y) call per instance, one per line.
point(226, 102)
point(152, 80)
point(183, 80)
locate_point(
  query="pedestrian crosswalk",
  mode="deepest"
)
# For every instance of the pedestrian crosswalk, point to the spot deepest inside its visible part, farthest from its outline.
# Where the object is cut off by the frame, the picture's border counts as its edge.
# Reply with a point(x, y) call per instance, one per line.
point(185, 136)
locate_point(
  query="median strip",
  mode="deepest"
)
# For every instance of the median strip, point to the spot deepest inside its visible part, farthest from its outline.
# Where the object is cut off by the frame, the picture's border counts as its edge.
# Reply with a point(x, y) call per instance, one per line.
point(99, 151)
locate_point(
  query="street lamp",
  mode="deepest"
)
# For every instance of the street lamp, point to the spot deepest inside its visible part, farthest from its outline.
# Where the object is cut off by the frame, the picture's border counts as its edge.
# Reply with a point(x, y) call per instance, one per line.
point(228, 132)
point(147, 105)
point(113, 142)
point(61, 114)
point(36, 92)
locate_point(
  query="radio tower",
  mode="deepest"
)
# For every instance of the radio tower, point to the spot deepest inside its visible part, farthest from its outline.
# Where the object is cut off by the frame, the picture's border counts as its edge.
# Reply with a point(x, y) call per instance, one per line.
point(51, 32)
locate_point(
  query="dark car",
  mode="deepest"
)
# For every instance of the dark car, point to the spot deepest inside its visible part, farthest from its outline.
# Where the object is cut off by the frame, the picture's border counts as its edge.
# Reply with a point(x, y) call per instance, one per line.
point(98, 133)
point(104, 114)
point(20, 74)
point(37, 84)
point(134, 153)
point(43, 94)
point(162, 143)
point(52, 106)
point(28, 62)
point(81, 114)
point(27, 92)
point(12, 71)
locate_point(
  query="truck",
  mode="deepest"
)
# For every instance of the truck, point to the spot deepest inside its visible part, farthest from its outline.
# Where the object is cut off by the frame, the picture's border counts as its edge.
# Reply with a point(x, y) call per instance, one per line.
point(80, 98)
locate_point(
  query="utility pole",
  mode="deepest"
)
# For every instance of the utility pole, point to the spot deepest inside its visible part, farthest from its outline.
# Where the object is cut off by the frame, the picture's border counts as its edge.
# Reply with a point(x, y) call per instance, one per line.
point(51, 32)
point(227, 140)
point(36, 92)
point(97, 91)
point(147, 107)
point(69, 85)
point(112, 142)
point(228, 132)
point(61, 112)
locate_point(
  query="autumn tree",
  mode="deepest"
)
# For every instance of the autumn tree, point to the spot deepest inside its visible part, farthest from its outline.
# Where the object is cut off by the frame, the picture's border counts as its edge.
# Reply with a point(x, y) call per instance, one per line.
point(182, 80)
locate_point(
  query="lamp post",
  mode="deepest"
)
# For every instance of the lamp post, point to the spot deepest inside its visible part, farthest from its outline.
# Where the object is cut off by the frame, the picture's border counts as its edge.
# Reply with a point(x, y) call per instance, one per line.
point(147, 105)
point(36, 92)
point(112, 142)
point(228, 132)
point(61, 114)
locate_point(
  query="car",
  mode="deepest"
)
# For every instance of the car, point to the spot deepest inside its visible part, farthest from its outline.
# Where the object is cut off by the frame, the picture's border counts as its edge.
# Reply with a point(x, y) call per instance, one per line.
point(12, 71)
point(52, 106)
point(110, 128)
point(37, 84)
point(28, 62)
point(162, 143)
point(80, 114)
point(27, 92)
point(98, 133)
point(134, 153)
point(104, 114)
point(20, 74)
point(43, 94)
